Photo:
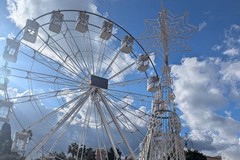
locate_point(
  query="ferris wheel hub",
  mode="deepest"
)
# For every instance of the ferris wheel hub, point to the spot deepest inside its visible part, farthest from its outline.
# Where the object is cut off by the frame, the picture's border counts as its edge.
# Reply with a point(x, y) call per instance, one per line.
point(99, 82)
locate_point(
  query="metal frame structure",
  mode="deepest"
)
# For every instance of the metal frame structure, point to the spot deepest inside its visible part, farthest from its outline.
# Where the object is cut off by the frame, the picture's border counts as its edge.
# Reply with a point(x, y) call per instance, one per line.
point(84, 77)
point(165, 35)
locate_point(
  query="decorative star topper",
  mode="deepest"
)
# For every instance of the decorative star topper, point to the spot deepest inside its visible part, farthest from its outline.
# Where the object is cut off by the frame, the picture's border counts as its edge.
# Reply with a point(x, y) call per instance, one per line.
point(167, 33)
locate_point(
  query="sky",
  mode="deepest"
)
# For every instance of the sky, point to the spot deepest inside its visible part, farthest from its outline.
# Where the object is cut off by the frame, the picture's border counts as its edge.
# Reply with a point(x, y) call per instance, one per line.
point(206, 79)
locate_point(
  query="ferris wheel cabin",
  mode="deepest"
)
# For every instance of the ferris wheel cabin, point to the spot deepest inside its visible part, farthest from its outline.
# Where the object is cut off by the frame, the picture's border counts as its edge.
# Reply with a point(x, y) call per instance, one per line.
point(56, 22)
point(82, 22)
point(5, 107)
point(143, 63)
point(126, 44)
point(20, 142)
point(31, 31)
point(107, 28)
point(153, 84)
point(11, 50)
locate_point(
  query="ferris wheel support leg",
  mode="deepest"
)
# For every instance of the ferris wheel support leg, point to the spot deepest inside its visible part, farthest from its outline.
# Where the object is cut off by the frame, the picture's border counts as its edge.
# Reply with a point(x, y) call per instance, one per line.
point(104, 121)
point(116, 123)
point(59, 124)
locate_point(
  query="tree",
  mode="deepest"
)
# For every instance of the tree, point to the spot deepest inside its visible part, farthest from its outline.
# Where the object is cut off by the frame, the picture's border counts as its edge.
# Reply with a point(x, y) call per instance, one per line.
point(5, 139)
point(89, 154)
point(60, 156)
point(81, 151)
point(111, 155)
point(195, 155)
point(73, 149)
point(29, 132)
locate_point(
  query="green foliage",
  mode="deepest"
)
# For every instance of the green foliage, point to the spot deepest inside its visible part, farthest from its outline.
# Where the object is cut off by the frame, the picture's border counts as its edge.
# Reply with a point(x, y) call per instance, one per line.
point(111, 155)
point(60, 156)
point(195, 155)
point(73, 149)
point(6, 144)
point(89, 154)
point(5, 139)
point(82, 151)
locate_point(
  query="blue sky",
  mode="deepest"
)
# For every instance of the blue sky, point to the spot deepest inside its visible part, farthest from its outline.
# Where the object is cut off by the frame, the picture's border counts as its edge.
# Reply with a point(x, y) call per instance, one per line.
point(207, 79)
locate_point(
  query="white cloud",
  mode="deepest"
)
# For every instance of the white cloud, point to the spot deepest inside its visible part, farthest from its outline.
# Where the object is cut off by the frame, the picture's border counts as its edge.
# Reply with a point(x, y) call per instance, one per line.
point(204, 90)
point(228, 113)
point(230, 45)
point(216, 47)
point(230, 71)
point(232, 51)
point(202, 25)
point(235, 27)
point(21, 10)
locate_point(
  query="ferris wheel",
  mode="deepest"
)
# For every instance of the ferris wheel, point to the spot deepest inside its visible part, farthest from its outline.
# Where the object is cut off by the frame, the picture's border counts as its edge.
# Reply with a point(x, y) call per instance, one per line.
point(73, 76)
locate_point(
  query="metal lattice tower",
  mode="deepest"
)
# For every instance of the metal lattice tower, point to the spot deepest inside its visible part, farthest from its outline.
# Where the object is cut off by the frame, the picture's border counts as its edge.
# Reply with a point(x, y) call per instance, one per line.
point(166, 34)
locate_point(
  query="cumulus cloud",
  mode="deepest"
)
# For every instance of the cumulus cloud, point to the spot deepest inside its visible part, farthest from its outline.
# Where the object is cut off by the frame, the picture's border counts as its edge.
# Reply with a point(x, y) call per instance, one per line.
point(32, 9)
point(204, 89)
point(232, 51)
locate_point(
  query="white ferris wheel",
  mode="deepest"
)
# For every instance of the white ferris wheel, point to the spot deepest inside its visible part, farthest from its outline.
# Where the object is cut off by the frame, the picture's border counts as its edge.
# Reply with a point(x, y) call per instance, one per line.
point(73, 76)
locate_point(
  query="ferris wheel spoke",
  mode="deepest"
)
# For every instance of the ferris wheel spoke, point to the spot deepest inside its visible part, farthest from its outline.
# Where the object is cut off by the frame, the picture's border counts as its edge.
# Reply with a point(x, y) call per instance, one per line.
point(128, 82)
point(124, 94)
point(106, 126)
point(85, 128)
point(116, 123)
point(50, 64)
point(46, 95)
point(78, 105)
point(130, 109)
point(81, 58)
point(128, 123)
point(60, 52)
point(126, 105)
point(68, 59)
point(100, 58)
point(121, 71)
point(74, 48)
point(63, 61)
point(111, 63)
point(46, 78)
point(55, 111)
point(67, 126)
point(91, 52)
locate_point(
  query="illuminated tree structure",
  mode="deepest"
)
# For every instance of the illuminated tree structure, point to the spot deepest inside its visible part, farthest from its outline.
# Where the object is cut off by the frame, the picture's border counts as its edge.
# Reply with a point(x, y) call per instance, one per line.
point(165, 34)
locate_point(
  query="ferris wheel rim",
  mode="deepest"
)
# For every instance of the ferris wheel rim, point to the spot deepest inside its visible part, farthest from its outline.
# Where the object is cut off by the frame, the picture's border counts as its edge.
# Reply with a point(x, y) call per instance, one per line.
point(67, 10)
point(75, 21)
